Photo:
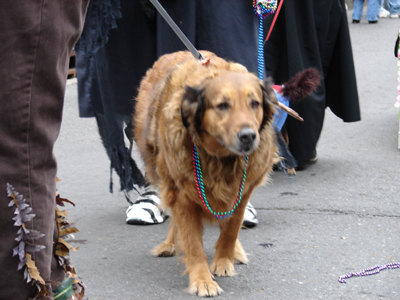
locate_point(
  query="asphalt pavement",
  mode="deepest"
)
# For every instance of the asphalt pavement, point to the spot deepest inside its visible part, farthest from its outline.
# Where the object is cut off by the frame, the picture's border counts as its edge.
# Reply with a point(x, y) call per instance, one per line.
point(340, 215)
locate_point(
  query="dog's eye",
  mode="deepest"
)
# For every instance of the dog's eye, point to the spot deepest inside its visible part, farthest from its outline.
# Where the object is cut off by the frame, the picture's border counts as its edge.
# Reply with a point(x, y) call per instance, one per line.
point(223, 106)
point(254, 104)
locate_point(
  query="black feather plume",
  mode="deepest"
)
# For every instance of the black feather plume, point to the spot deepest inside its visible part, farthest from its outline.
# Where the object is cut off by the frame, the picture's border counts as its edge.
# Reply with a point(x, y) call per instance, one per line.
point(302, 84)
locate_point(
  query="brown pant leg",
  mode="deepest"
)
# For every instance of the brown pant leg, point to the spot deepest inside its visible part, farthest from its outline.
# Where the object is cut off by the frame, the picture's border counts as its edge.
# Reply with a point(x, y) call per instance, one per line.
point(36, 38)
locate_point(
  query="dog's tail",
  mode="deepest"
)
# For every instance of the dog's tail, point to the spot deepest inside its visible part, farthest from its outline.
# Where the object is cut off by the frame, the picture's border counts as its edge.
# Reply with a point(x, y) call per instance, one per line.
point(302, 84)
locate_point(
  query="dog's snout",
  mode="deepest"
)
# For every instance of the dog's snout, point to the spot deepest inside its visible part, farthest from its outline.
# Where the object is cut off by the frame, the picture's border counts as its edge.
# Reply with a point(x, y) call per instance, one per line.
point(247, 135)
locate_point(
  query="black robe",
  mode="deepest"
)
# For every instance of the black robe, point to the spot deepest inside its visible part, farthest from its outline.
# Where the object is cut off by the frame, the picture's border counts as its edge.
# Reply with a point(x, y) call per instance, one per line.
point(313, 33)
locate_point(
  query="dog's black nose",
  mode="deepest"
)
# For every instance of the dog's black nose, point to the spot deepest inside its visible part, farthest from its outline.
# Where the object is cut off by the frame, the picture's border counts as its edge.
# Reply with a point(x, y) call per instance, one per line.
point(247, 135)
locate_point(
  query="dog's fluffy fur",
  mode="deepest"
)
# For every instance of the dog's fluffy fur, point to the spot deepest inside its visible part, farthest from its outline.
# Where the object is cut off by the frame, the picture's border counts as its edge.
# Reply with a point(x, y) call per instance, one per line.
point(228, 113)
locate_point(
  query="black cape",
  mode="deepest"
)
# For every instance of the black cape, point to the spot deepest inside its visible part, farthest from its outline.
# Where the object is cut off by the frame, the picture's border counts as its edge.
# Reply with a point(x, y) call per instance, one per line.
point(116, 48)
point(313, 33)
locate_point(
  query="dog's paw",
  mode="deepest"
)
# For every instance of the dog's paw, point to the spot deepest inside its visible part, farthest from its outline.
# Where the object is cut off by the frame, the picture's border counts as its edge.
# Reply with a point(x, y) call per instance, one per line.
point(239, 254)
point(164, 250)
point(291, 171)
point(205, 288)
point(222, 267)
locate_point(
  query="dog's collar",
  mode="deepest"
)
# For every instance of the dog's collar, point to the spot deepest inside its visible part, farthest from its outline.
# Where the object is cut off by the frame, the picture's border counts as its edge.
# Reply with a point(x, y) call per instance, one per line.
point(205, 61)
point(198, 176)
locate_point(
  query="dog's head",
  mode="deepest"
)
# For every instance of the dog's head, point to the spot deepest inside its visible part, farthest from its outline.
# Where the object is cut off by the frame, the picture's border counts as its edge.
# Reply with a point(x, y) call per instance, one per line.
point(228, 112)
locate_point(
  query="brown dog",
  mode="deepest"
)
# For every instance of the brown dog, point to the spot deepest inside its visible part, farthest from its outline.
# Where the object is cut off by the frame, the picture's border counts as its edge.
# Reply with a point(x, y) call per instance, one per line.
point(227, 113)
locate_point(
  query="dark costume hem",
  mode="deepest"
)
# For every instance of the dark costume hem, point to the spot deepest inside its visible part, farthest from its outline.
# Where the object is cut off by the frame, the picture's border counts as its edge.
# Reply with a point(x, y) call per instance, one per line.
point(26, 246)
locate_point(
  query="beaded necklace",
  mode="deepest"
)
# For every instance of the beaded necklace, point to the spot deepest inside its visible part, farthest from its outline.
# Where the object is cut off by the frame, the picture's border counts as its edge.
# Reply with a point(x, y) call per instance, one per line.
point(262, 9)
point(198, 176)
point(370, 271)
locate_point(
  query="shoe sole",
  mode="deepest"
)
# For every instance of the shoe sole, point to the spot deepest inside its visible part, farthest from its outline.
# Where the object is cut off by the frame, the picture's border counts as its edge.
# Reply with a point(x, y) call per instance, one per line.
point(141, 222)
point(137, 222)
point(249, 224)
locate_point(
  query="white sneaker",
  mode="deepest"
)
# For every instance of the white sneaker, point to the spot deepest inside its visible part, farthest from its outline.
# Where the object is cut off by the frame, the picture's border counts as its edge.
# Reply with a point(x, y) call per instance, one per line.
point(383, 13)
point(145, 211)
point(250, 216)
point(396, 16)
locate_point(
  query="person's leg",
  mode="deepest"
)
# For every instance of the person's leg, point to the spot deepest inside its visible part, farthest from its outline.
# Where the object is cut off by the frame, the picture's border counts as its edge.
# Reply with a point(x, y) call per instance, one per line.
point(383, 13)
point(358, 10)
point(35, 42)
point(373, 10)
point(393, 6)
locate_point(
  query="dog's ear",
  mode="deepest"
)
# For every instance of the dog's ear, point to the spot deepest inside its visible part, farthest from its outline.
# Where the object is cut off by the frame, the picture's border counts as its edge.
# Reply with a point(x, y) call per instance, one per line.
point(269, 101)
point(192, 108)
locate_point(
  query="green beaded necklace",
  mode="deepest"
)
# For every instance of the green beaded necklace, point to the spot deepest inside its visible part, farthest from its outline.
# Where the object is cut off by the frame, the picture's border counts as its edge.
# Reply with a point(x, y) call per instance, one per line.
point(198, 175)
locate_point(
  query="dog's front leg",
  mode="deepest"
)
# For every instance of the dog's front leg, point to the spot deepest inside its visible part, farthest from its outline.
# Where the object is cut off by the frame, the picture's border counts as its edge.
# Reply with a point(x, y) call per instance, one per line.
point(228, 248)
point(187, 216)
